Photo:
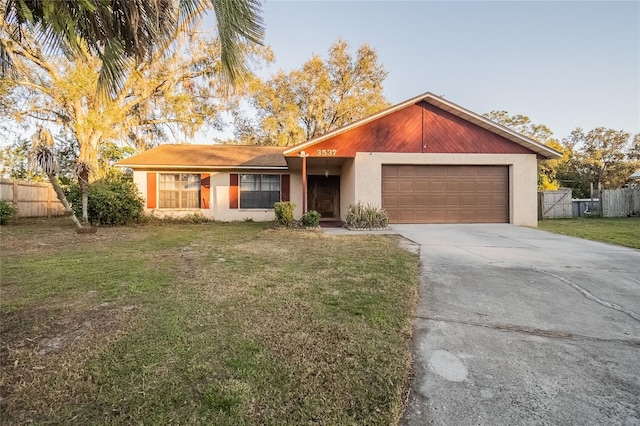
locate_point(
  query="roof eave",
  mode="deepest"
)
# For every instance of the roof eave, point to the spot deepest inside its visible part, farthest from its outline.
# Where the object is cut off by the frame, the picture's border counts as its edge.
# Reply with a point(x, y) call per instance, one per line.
point(181, 167)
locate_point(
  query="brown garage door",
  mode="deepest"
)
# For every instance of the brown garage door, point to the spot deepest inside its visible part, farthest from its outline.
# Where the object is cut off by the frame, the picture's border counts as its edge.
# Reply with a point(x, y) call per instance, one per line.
point(446, 194)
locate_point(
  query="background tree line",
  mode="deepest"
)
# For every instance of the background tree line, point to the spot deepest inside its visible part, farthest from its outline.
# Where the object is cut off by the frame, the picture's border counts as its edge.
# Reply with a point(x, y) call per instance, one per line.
point(599, 158)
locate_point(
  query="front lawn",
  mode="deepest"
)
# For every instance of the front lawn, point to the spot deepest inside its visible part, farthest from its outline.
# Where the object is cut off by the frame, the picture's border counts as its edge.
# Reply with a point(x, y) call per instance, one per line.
point(623, 231)
point(221, 324)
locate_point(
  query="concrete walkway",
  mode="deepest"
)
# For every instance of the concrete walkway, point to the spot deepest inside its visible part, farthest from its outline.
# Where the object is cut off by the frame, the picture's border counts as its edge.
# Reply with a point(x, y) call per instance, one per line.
point(520, 326)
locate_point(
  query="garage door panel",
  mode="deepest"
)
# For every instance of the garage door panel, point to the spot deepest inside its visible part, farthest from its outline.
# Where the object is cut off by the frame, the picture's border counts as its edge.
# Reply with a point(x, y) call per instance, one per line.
point(437, 187)
point(436, 215)
point(453, 201)
point(389, 187)
point(405, 215)
point(468, 186)
point(486, 216)
point(468, 172)
point(435, 172)
point(483, 202)
point(453, 186)
point(490, 171)
point(486, 186)
point(453, 216)
point(469, 201)
point(421, 202)
point(405, 186)
point(405, 173)
point(467, 215)
point(437, 201)
point(420, 215)
point(405, 202)
point(390, 200)
point(389, 172)
point(446, 194)
point(421, 188)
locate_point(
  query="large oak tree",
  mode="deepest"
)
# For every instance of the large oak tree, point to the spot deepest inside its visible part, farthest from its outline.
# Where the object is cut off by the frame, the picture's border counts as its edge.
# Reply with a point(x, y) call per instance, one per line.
point(166, 95)
point(322, 95)
point(606, 157)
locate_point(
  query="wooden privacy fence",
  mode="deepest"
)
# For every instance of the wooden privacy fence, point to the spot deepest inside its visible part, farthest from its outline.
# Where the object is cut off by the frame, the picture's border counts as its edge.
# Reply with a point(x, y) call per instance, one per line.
point(33, 199)
point(620, 202)
point(555, 204)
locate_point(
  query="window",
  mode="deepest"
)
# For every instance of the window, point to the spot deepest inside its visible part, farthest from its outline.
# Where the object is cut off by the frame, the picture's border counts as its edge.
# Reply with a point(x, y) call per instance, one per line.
point(179, 191)
point(259, 191)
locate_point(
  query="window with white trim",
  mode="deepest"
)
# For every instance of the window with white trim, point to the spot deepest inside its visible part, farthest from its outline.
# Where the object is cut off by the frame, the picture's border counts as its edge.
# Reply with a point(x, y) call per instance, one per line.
point(259, 191)
point(179, 191)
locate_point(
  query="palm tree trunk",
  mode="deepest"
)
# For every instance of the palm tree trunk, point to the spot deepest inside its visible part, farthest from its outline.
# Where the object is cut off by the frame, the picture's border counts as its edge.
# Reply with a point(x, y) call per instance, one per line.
point(63, 199)
point(83, 178)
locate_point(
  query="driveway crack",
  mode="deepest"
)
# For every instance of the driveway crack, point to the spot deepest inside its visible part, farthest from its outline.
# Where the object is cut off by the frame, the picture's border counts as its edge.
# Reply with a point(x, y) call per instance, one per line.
point(586, 293)
point(532, 331)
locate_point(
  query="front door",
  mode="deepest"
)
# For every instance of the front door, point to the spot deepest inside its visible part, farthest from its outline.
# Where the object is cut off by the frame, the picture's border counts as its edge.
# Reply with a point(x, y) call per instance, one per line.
point(324, 195)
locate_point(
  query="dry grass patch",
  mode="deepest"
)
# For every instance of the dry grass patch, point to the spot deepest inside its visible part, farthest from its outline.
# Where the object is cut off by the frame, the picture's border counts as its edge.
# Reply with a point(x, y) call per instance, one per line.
point(204, 324)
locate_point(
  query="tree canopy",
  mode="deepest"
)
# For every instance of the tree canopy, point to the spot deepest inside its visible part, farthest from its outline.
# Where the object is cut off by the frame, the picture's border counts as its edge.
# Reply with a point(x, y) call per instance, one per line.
point(322, 95)
point(122, 31)
point(601, 157)
point(547, 170)
point(604, 157)
point(166, 96)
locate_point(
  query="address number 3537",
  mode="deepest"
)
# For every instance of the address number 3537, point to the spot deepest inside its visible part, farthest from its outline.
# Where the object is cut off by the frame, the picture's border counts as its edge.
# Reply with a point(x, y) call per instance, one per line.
point(327, 152)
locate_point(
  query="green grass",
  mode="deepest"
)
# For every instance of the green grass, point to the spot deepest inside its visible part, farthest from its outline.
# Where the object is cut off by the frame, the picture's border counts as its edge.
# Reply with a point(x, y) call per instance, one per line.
point(226, 324)
point(620, 231)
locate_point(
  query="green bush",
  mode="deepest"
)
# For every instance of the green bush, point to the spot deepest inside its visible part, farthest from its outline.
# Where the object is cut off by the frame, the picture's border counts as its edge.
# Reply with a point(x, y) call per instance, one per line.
point(360, 216)
point(311, 219)
point(7, 209)
point(110, 202)
point(284, 212)
point(196, 217)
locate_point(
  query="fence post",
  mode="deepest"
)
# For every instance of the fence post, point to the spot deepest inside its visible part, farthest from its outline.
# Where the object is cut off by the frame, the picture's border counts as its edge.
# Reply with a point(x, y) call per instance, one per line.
point(15, 193)
point(540, 206)
point(48, 202)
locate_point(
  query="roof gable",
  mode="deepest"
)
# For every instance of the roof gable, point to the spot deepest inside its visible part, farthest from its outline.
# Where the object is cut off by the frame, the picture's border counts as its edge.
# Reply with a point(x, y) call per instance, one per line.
point(445, 132)
point(402, 128)
point(187, 156)
point(399, 131)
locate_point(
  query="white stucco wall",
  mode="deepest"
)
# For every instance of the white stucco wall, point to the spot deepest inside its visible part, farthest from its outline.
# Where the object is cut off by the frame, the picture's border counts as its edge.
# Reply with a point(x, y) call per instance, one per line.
point(219, 198)
point(522, 177)
point(347, 187)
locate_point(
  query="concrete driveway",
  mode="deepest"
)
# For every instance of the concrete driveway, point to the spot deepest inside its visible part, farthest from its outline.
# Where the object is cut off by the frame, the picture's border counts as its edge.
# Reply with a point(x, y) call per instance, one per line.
point(521, 326)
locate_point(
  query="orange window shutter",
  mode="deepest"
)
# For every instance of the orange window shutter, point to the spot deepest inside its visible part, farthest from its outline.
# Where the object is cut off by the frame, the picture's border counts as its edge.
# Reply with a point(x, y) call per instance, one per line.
point(151, 190)
point(233, 191)
point(285, 188)
point(205, 190)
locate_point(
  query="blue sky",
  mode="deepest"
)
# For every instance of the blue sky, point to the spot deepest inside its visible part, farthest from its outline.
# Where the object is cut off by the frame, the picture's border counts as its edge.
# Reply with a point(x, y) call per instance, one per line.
point(563, 64)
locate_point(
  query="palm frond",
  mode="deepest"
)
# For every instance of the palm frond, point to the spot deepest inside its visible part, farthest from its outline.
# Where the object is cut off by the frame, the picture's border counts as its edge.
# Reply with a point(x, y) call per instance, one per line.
point(123, 30)
point(41, 155)
point(237, 20)
point(114, 61)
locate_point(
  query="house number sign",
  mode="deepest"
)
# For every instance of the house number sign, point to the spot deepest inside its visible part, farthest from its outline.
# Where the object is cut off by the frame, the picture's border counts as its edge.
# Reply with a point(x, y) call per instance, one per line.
point(327, 152)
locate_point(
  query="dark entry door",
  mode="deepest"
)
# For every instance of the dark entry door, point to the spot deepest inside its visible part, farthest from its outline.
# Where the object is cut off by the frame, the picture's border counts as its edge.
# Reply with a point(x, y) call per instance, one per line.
point(324, 195)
